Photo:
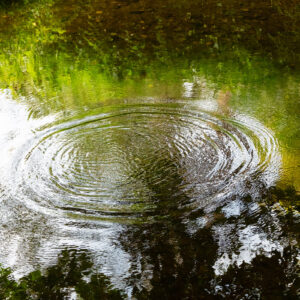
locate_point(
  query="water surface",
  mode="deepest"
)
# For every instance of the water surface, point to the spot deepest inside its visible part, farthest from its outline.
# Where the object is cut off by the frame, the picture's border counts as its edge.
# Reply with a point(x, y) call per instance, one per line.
point(175, 179)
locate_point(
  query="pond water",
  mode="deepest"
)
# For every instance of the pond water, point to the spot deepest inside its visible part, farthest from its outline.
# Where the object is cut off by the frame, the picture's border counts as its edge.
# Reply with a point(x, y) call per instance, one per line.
point(141, 172)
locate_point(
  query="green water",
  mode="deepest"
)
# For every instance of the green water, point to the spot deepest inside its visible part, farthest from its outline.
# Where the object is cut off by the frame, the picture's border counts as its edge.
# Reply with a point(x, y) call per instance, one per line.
point(150, 150)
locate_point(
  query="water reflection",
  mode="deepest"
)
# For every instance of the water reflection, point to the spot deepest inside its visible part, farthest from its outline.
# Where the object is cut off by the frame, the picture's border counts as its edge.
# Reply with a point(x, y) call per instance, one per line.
point(173, 264)
point(134, 162)
point(71, 276)
point(167, 198)
point(133, 159)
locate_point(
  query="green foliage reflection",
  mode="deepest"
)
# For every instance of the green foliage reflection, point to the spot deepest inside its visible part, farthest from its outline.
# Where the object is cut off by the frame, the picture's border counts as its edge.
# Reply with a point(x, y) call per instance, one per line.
point(60, 281)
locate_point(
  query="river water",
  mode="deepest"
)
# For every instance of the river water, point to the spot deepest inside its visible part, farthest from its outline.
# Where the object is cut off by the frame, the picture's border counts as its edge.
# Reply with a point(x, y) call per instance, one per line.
point(181, 183)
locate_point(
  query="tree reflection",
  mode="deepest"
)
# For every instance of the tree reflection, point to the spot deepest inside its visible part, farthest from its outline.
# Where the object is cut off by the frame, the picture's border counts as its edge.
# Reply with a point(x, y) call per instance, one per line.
point(169, 260)
point(178, 266)
point(172, 262)
point(73, 274)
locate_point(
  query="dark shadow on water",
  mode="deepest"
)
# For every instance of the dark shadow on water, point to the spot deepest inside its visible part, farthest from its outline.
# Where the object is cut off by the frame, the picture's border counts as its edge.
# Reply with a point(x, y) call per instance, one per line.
point(179, 263)
point(266, 278)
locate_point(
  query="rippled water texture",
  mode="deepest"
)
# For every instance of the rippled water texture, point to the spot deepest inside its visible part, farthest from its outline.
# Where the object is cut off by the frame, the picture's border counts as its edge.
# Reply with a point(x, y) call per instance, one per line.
point(82, 182)
point(149, 149)
point(142, 161)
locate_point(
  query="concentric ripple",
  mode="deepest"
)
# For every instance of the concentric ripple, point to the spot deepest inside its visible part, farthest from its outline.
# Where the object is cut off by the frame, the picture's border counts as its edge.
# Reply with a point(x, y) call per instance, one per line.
point(141, 161)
